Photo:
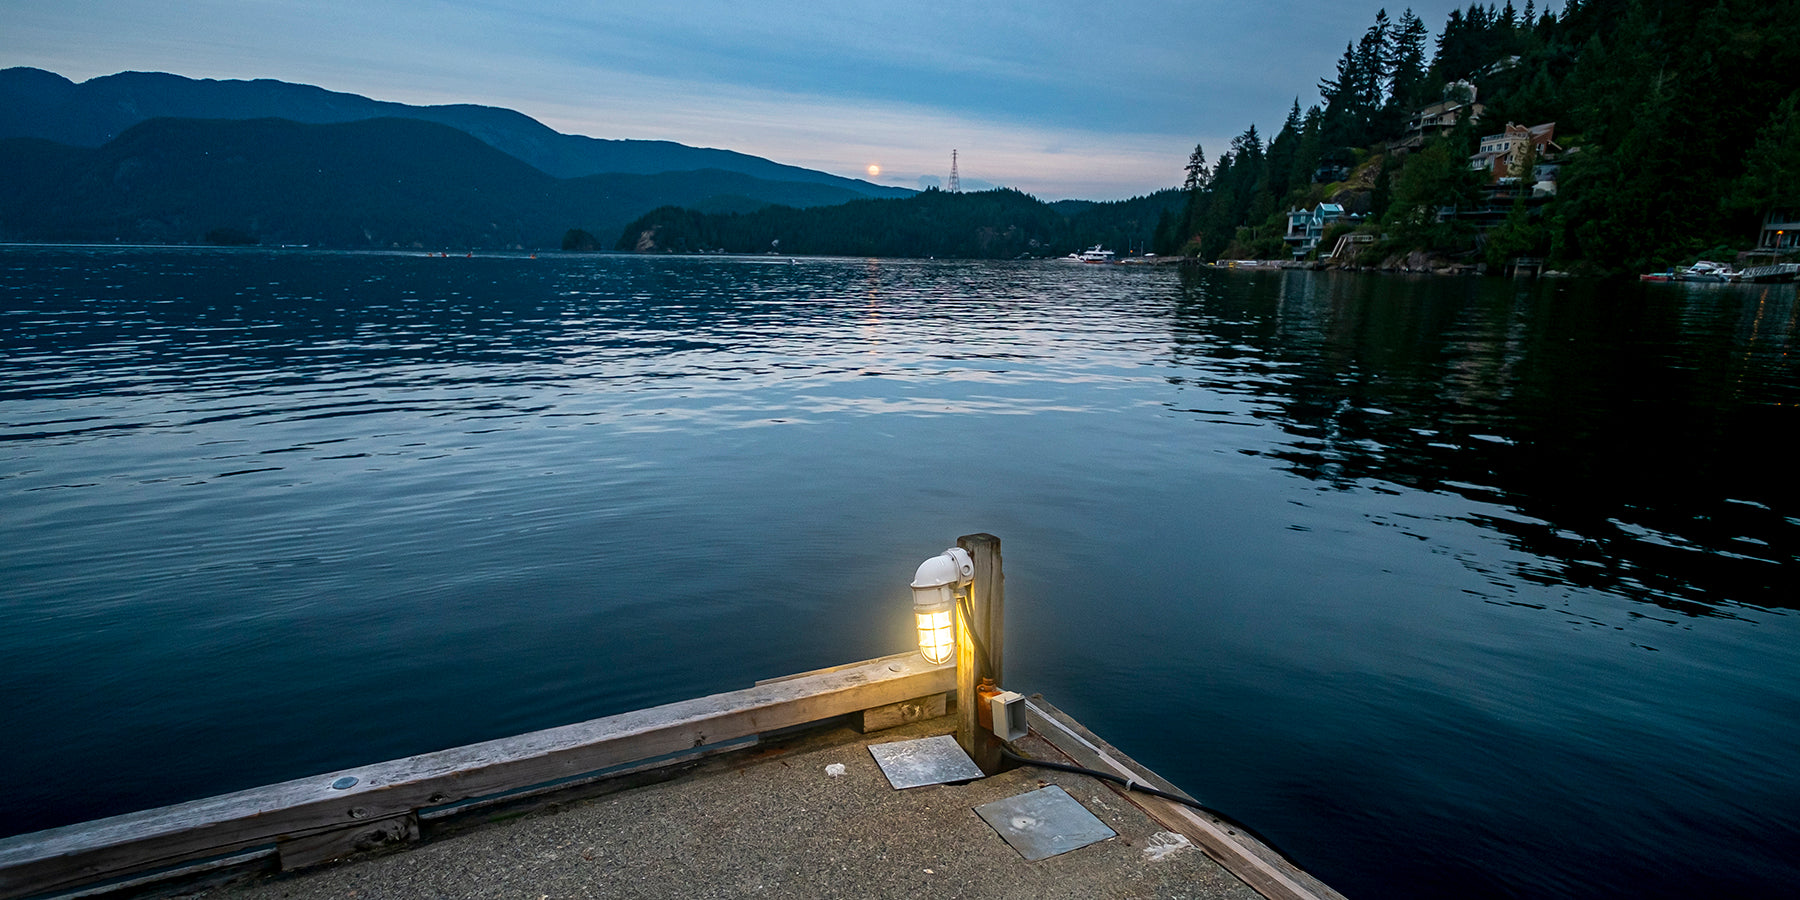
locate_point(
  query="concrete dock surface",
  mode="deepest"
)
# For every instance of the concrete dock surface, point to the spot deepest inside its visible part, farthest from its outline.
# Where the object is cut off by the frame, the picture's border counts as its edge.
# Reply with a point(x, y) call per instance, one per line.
point(770, 821)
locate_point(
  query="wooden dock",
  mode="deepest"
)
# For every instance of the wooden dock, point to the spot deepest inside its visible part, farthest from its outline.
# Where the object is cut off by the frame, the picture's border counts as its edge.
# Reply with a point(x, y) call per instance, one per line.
point(730, 759)
point(479, 809)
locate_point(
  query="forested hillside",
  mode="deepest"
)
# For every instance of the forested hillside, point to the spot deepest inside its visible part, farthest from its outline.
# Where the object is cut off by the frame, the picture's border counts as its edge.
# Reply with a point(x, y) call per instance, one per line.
point(363, 184)
point(997, 224)
point(1675, 130)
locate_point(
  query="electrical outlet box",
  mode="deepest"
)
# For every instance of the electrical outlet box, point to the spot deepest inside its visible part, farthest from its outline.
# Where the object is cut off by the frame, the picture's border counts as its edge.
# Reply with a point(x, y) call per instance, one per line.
point(1008, 709)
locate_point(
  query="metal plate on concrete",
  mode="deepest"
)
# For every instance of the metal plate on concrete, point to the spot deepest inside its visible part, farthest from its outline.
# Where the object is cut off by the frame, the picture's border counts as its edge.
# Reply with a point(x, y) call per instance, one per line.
point(932, 760)
point(1043, 823)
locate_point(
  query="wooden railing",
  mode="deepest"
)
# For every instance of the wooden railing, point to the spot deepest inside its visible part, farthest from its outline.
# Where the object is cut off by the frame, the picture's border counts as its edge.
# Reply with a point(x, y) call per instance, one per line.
point(312, 819)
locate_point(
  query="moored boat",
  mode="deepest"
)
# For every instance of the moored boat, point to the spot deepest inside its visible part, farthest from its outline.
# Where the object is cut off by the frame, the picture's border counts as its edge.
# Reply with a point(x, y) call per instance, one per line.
point(1091, 255)
point(1705, 270)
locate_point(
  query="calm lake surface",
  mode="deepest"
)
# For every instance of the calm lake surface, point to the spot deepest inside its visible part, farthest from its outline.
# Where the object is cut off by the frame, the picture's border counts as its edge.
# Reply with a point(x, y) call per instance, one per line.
point(1449, 587)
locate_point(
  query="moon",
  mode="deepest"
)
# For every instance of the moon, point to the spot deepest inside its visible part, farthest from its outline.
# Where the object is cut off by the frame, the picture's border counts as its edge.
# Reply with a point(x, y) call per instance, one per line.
point(874, 170)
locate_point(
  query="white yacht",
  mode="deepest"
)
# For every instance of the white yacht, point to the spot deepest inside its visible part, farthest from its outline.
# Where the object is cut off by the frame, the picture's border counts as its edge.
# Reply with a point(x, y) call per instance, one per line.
point(1091, 255)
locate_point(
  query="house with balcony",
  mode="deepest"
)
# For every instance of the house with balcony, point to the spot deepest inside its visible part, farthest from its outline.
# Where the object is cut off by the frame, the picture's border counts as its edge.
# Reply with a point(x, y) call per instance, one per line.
point(1306, 227)
point(1503, 155)
point(1438, 118)
point(1780, 231)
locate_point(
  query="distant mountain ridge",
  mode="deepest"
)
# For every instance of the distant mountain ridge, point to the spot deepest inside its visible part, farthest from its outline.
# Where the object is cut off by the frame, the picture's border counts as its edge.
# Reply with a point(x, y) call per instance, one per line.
point(396, 182)
point(38, 104)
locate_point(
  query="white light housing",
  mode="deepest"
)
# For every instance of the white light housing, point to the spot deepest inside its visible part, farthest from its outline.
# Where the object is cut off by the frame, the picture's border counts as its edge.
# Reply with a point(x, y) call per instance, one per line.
point(934, 602)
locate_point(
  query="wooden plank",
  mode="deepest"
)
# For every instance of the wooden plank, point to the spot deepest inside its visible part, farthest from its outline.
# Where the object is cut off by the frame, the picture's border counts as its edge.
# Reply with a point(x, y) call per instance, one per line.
point(195, 876)
point(896, 714)
point(596, 784)
point(894, 658)
point(312, 849)
point(75, 855)
point(1255, 864)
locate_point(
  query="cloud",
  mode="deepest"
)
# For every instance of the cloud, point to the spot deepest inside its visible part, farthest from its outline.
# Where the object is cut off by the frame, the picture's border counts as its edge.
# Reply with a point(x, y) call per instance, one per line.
point(1056, 98)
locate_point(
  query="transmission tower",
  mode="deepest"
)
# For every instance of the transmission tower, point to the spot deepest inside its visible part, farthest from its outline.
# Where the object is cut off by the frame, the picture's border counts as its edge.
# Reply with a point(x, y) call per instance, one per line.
point(955, 180)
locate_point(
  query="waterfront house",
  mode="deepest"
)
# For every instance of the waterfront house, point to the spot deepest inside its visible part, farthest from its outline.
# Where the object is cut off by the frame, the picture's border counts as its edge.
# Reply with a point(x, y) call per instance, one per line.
point(1306, 227)
point(1503, 155)
point(1780, 231)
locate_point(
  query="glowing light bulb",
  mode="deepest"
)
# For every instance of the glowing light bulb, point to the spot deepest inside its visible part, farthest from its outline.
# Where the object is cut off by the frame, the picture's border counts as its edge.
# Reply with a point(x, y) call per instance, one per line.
point(934, 602)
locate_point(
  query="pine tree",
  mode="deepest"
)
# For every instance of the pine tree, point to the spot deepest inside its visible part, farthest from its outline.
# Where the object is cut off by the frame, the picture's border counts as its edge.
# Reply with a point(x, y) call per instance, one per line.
point(1372, 70)
point(1338, 91)
point(1408, 89)
point(1282, 151)
point(1196, 171)
point(1448, 61)
point(1310, 151)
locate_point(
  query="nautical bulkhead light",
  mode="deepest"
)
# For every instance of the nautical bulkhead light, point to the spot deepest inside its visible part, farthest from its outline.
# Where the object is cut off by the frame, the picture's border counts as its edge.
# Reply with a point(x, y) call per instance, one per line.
point(934, 601)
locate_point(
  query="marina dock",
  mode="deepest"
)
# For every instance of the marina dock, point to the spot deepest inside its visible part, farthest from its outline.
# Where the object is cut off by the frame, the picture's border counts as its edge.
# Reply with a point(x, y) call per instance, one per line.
point(766, 814)
point(772, 822)
point(851, 781)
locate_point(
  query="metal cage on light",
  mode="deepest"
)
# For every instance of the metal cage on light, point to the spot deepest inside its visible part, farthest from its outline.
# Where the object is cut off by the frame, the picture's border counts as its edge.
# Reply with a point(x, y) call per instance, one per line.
point(934, 601)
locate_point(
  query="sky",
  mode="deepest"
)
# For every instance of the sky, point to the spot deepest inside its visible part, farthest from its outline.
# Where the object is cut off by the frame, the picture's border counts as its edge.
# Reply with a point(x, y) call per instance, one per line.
point(1054, 98)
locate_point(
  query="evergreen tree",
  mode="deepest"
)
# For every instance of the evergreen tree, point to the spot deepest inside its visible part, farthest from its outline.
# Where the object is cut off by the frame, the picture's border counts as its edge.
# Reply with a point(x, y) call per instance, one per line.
point(1449, 43)
point(1339, 92)
point(1196, 171)
point(1309, 152)
point(1683, 113)
point(1249, 144)
point(1409, 87)
point(1435, 178)
point(1371, 78)
point(1194, 208)
point(1282, 152)
point(1772, 167)
point(1166, 242)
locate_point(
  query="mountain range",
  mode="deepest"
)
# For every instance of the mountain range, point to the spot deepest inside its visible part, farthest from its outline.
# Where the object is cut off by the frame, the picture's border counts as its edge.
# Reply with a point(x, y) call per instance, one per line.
point(157, 157)
point(40, 104)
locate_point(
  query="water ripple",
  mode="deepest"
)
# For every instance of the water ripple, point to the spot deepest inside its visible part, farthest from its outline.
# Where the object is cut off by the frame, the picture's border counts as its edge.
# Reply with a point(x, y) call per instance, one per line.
point(1393, 548)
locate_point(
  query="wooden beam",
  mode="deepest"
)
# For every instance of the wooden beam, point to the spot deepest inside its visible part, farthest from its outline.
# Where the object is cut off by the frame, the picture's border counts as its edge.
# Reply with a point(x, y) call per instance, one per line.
point(894, 715)
point(1254, 863)
point(312, 849)
point(121, 846)
point(896, 657)
point(987, 600)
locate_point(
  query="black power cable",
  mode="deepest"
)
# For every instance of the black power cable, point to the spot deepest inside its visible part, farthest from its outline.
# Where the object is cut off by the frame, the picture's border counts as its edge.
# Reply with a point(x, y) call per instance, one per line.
point(1140, 787)
point(964, 604)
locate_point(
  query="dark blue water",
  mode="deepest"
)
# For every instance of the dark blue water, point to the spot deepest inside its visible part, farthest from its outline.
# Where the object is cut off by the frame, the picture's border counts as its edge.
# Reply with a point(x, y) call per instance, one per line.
point(1449, 587)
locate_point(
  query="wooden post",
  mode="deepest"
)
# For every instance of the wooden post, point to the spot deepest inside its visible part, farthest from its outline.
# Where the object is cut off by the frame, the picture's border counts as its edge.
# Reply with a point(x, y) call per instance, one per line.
point(987, 600)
